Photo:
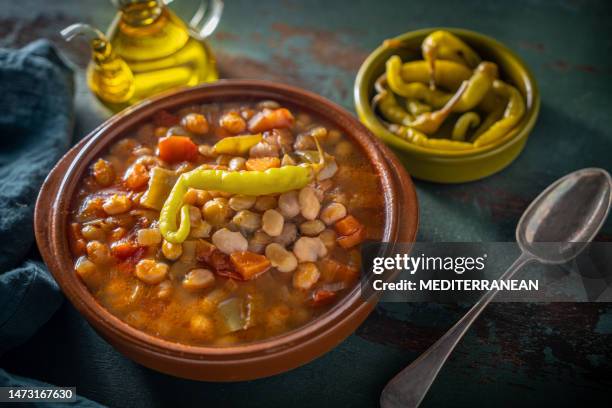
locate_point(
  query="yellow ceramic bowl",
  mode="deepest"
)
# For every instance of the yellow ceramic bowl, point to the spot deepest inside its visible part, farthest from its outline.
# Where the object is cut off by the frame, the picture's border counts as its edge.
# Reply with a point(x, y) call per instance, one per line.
point(448, 166)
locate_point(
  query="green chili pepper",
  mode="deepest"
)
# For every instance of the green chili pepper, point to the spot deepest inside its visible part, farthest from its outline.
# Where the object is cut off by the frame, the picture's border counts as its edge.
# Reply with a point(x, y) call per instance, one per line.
point(237, 144)
point(252, 183)
point(390, 109)
point(514, 111)
point(421, 139)
point(446, 46)
point(430, 122)
point(412, 90)
point(449, 74)
point(466, 121)
point(416, 108)
point(478, 86)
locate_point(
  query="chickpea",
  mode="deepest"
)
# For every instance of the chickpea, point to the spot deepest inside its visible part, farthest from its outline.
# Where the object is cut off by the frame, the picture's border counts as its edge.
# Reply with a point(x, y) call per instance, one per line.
point(312, 228)
point(237, 163)
point(343, 149)
point(197, 279)
point(93, 233)
point(84, 267)
point(308, 249)
point(217, 211)
point(148, 237)
point(171, 250)
point(160, 131)
point(117, 204)
point(288, 235)
point(103, 173)
point(229, 242)
point(272, 223)
point(288, 204)
point(332, 213)
point(333, 136)
point(264, 203)
point(151, 272)
point(195, 123)
point(98, 253)
point(202, 327)
point(247, 220)
point(196, 197)
point(277, 317)
point(268, 104)
point(177, 131)
point(309, 203)
point(306, 276)
point(259, 241)
point(280, 258)
point(241, 202)
point(328, 237)
point(207, 150)
point(233, 122)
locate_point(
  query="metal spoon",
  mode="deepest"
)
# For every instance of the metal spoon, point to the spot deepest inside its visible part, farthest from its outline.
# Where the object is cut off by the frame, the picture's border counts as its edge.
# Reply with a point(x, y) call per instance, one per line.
point(556, 226)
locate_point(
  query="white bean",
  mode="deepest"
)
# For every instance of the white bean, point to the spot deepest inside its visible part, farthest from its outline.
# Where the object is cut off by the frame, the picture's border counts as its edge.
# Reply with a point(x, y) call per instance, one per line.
point(151, 272)
point(241, 202)
point(288, 235)
point(309, 203)
point(306, 276)
point(308, 249)
point(229, 242)
point(272, 223)
point(288, 204)
point(280, 258)
point(312, 228)
point(247, 220)
point(332, 213)
point(199, 278)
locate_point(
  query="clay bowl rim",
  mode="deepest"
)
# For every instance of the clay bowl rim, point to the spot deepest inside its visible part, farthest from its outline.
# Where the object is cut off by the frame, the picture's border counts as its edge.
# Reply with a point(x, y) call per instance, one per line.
point(98, 142)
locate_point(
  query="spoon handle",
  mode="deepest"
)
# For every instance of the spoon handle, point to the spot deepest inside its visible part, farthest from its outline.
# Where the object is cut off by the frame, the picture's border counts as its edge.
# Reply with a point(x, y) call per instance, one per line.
point(408, 388)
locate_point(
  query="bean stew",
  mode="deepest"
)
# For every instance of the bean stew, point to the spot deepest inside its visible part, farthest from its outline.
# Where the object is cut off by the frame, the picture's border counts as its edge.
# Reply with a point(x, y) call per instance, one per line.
point(224, 224)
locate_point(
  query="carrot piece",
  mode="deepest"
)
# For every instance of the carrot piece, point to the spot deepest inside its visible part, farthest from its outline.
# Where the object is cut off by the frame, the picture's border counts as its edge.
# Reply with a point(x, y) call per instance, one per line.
point(173, 149)
point(347, 226)
point(271, 119)
point(249, 264)
point(124, 249)
point(356, 238)
point(334, 271)
point(322, 297)
point(262, 163)
point(136, 177)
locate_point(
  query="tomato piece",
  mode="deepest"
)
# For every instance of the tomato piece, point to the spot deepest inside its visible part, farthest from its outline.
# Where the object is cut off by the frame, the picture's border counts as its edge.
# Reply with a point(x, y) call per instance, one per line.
point(249, 264)
point(123, 249)
point(173, 149)
point(356, 238)
point(334, 271)
point(271, 119)
point(347, 225)
point(262, 163)
point(322, 297)
point(77, 242)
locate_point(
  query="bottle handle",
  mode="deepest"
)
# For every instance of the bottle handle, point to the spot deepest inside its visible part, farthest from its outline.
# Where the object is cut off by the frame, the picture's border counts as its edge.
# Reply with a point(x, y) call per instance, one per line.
point(206, 18)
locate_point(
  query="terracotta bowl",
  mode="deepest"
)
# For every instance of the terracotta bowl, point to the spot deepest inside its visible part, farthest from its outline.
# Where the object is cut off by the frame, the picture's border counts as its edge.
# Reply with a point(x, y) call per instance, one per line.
point(241, 362)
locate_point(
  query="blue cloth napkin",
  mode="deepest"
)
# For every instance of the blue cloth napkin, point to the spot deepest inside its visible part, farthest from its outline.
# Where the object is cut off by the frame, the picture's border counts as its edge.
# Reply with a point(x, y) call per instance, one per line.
point(36, 121)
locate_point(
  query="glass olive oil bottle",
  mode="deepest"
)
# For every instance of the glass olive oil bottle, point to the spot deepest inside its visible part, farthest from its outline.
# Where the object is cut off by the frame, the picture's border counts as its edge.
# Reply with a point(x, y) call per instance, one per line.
point(147, 50)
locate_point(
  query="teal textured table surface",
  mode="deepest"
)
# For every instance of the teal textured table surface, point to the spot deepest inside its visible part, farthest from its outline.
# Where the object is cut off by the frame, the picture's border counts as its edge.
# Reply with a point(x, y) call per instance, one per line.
point(516, 354)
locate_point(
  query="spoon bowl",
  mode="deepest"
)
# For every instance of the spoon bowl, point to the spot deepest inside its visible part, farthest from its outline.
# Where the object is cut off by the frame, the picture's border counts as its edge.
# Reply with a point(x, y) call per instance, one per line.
point(566, 216)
